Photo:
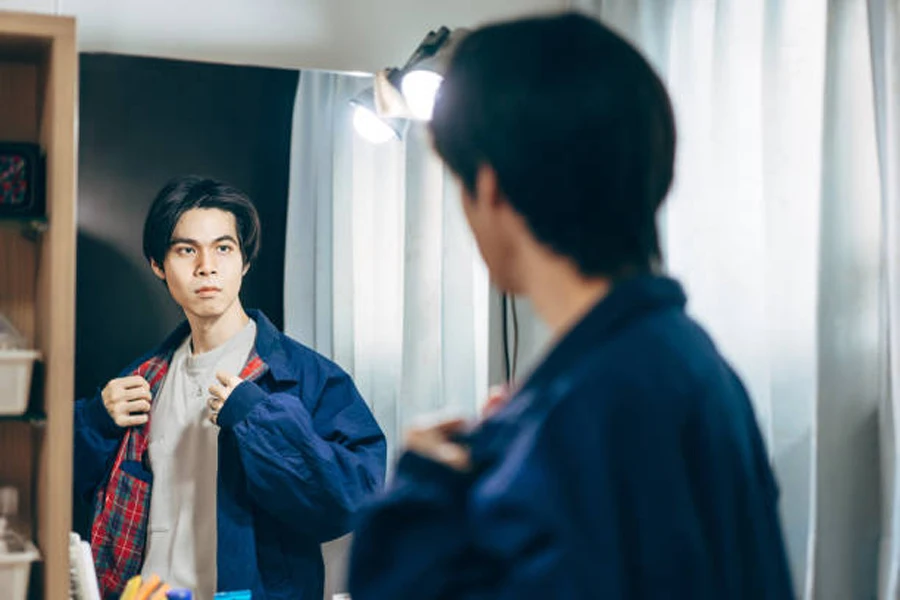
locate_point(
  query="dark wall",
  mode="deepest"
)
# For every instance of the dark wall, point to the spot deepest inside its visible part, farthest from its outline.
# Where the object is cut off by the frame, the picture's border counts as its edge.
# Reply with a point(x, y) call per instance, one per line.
point(142, 122)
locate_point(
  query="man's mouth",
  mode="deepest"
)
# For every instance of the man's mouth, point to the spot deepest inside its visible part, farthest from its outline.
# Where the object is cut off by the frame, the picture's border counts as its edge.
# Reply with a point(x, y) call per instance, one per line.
point(207, 290)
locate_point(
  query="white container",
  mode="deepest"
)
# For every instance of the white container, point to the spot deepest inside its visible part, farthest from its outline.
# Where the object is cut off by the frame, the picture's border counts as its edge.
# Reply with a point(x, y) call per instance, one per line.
point(16, 367)
point(15, 566)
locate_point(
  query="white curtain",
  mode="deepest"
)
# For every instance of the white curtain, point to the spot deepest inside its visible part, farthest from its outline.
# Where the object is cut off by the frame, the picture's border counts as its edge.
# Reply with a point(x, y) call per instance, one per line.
point(884, 20)
point(775, 227)
point(381, 272)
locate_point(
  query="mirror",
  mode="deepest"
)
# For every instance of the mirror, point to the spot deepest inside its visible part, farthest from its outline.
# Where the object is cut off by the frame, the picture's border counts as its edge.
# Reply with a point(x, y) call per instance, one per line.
point(355, 260)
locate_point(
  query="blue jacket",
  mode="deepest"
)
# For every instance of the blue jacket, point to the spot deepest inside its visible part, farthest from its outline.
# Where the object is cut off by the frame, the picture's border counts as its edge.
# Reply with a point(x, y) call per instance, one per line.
point(629, 465)
point(299, 451)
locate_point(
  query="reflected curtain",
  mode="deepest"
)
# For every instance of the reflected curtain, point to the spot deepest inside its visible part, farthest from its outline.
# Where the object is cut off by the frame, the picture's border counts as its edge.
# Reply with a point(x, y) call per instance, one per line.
point(381, 272)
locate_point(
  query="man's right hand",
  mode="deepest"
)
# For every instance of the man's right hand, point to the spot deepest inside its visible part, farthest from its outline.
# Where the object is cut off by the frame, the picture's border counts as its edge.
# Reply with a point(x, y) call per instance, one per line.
point(497, 398)
point(127, 400)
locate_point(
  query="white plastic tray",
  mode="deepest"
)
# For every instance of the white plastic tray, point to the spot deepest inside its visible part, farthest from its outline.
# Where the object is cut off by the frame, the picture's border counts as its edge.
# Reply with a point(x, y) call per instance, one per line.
point(16, 367)
point(14, 571)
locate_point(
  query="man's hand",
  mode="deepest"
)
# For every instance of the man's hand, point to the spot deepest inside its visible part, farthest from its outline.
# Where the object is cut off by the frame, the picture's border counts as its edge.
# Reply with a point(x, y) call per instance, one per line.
point(434, 442)
point(127, 400)
point(497, 398)
point(220, 393)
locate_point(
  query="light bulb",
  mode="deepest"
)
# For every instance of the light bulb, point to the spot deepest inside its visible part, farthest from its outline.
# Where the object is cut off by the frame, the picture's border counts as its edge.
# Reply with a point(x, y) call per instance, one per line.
point(419, 90)
point(371, 127)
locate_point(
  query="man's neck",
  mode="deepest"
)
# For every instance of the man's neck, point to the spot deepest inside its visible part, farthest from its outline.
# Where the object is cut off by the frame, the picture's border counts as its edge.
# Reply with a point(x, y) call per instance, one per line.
point(208, 333)
point(561, 295)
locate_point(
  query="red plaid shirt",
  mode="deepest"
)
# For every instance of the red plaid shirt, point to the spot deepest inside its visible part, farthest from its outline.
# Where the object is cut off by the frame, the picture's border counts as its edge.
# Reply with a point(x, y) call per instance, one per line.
point(119, 533)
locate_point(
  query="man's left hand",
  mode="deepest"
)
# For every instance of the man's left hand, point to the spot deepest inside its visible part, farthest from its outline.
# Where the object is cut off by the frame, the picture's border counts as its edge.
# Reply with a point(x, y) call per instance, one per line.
point(436, 443)
point(220, 393)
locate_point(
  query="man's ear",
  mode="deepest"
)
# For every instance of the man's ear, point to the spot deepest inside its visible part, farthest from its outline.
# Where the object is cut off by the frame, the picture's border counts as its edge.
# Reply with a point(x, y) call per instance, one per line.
point(157, 270)
point(487, 186)
point(246, 268)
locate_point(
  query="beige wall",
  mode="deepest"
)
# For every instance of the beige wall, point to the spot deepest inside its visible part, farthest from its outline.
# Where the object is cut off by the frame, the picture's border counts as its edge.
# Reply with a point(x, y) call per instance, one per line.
point(343, 35)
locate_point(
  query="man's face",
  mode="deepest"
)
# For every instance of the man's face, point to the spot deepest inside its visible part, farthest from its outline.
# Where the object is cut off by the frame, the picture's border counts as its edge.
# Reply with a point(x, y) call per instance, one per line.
point(203, 267)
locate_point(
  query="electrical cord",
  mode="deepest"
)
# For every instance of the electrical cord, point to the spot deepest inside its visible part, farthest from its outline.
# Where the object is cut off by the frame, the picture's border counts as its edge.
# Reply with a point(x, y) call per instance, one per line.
point(510, 356)
point(504, 320)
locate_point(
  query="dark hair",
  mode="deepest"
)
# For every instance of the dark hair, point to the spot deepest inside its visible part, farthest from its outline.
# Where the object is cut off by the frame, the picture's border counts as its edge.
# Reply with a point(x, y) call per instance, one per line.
point(578, 128)
point(185, 193)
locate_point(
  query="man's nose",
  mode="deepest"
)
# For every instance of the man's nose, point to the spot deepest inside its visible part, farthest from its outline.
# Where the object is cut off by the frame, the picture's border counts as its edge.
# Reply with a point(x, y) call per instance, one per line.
point(206, 263)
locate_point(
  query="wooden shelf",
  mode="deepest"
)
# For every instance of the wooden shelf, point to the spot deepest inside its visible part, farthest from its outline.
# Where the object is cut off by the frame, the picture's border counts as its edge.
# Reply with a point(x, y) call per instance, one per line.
point(38, 93)
point(35, 417)
point(30, 227)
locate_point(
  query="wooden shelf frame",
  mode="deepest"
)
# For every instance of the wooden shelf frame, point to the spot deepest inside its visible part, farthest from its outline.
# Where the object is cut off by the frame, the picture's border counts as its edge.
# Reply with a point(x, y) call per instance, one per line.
point(39, 96)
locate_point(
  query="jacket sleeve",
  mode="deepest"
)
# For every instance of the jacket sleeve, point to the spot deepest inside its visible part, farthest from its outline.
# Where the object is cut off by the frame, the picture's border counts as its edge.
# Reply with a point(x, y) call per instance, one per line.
point(408, 538)
point(310, 469)
point(443, 536)
point(96, 440)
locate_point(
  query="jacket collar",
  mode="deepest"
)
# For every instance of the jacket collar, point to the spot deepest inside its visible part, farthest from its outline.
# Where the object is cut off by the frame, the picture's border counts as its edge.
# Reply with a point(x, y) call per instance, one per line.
point(269, 346)
point(627, 301)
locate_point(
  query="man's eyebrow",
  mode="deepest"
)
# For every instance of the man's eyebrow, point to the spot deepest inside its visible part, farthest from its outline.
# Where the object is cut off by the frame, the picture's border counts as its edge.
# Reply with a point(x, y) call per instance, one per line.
point(187, 241)
point(193, 242)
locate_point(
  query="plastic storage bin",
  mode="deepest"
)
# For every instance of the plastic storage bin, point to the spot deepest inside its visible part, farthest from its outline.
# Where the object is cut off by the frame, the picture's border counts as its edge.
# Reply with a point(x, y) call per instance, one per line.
point(16, 556)
point(16, 367)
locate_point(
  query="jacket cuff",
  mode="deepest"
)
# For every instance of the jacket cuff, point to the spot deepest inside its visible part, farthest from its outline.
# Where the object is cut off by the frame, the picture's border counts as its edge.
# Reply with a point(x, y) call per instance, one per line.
point(431, 473)
point(96, 414)
point(239, 404)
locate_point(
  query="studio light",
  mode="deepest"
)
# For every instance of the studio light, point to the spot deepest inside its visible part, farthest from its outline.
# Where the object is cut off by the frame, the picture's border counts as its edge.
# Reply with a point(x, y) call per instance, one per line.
point(424, 71)
point(411, 90)
point(368, 124)
point(419, 89)
point(406, 93)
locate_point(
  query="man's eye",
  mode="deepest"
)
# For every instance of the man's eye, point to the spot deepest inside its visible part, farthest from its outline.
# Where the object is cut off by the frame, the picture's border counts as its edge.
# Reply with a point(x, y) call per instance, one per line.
point(183, 250)
point(225, 248)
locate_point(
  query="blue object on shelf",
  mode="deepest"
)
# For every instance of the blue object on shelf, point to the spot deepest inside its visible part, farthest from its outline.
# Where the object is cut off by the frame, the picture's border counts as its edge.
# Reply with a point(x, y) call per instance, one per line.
point(241, 595)
point(180, 594)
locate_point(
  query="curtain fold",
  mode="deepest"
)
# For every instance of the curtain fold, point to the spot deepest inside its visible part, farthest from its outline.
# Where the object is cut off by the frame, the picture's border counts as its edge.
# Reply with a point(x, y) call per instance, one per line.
point(318, 147)
point(382, 273)
point(884, 25)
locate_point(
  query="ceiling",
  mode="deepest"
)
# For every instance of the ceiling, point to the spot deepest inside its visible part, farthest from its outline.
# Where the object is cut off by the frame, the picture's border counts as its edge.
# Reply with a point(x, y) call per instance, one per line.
point(342, 35)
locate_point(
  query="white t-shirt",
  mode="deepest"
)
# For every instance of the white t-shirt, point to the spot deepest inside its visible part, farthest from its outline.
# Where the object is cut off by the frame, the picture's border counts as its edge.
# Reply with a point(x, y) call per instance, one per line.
point(183, 453)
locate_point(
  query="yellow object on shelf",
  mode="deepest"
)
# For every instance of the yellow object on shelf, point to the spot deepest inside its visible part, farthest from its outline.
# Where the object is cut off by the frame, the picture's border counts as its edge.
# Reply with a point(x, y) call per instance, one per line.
point(148, 587)
point(131, 588)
